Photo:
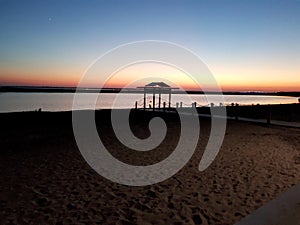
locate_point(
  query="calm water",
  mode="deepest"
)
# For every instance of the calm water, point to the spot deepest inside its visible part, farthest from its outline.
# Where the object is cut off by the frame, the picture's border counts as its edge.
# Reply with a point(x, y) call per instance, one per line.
point(12, 102)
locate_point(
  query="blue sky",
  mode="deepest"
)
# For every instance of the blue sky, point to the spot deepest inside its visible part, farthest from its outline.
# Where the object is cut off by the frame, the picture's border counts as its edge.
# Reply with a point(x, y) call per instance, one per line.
point(243, 42)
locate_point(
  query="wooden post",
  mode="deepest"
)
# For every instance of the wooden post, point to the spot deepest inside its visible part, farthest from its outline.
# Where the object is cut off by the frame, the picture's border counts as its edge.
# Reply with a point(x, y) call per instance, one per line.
point(269, 111)
point(236, 111)
point(159, 98)
point(180, 104)
point(153, 99)
point(136, 104)
point(164, 106)
point(170, 90)
point(144, 98)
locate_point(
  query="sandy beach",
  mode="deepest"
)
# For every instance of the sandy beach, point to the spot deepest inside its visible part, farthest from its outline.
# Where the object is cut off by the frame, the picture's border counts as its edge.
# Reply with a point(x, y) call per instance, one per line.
point(45, 180)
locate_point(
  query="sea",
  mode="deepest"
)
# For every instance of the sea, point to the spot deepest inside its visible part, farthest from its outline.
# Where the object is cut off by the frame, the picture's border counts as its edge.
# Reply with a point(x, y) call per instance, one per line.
point(18, 101)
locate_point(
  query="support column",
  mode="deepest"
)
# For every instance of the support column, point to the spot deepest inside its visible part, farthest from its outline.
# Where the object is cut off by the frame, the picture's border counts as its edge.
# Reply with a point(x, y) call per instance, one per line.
point(170, 90)
point(159, 97)
point(269, 110)
point(153, 99)
point(236, 111)
point(144, 98)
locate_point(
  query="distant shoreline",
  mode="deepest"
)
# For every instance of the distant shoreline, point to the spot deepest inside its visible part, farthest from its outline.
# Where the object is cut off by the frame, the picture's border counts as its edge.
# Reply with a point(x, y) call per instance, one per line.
point(34, 89)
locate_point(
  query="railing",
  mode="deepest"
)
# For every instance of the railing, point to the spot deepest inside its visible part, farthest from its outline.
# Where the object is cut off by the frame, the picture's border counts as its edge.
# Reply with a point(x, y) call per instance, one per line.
point(269, 114)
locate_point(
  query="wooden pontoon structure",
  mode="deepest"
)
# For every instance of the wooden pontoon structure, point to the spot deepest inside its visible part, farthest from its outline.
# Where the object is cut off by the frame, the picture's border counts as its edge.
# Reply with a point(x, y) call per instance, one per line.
point(157, 88)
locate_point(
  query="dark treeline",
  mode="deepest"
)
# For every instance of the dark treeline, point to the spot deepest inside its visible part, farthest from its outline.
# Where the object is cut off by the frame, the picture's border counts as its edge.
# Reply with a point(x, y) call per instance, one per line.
point(128, 90)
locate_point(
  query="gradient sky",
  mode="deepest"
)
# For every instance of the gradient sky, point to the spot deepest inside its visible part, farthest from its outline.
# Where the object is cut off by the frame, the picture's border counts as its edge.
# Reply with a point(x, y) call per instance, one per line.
point(247, 44)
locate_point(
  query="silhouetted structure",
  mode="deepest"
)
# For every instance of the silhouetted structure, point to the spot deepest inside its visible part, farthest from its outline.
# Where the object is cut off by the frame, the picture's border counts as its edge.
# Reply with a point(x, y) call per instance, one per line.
point(157, 88)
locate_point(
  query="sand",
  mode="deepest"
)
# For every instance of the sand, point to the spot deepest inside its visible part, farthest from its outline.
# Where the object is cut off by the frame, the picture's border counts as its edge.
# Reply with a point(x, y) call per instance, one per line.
point(44, 179)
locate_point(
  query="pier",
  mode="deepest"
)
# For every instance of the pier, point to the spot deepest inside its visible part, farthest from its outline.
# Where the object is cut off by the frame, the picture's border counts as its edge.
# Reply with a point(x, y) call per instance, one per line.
point(157, 88)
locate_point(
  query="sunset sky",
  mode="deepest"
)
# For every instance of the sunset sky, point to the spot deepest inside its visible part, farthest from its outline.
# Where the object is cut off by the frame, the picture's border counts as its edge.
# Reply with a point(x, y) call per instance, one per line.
point(247, 44)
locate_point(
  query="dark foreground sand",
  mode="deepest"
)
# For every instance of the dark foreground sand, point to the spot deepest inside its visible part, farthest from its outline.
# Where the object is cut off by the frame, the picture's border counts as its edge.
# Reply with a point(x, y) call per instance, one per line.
point(44, 179)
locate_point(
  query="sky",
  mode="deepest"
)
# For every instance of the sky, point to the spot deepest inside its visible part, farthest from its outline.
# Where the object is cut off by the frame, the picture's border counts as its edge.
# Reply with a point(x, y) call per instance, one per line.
point(248, 45)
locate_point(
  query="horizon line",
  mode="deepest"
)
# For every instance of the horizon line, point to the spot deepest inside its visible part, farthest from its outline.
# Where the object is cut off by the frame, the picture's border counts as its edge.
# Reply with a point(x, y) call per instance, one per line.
point(39, 88)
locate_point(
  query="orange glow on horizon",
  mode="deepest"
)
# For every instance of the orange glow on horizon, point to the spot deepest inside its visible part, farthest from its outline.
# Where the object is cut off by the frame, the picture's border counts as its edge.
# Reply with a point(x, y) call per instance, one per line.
point(39, 79)
point(140, 74)
point(33, 81)
point(67, 83)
